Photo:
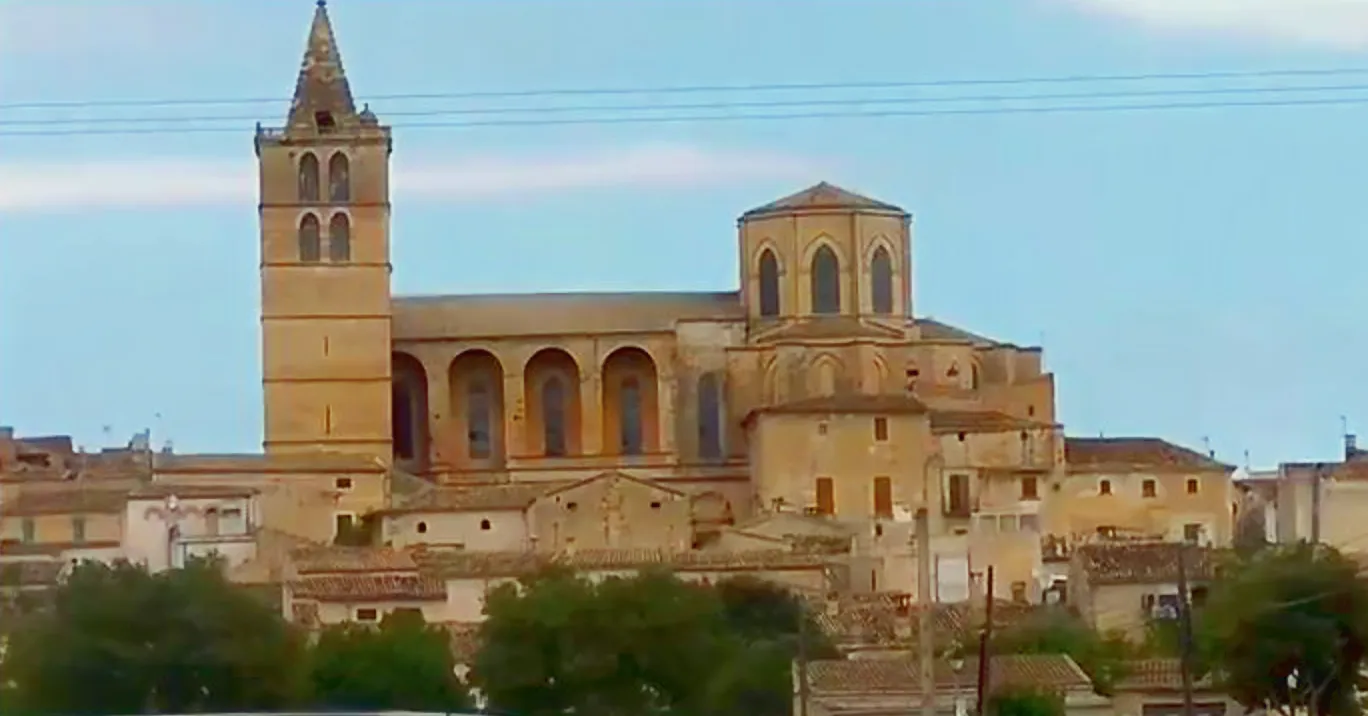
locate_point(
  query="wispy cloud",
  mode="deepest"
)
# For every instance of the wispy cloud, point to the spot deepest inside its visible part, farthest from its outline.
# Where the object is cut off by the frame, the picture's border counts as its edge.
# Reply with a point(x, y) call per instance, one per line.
point(49, 187)
point(75, 28)
point(1337, 24)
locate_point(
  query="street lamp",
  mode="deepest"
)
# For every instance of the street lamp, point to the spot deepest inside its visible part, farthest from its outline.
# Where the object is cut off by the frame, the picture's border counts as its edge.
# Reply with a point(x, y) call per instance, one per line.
point(956, 666)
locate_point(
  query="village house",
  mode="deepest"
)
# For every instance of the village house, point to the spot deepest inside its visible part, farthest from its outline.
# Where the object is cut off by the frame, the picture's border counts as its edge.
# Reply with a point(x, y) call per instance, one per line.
point(1122, 587)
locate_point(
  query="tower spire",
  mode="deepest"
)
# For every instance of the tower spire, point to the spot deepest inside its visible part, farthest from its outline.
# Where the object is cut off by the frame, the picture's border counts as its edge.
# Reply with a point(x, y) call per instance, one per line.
point(322, 94)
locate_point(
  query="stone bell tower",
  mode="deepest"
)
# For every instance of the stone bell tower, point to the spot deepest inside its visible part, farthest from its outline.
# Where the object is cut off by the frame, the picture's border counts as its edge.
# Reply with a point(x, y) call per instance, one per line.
point(325, 267)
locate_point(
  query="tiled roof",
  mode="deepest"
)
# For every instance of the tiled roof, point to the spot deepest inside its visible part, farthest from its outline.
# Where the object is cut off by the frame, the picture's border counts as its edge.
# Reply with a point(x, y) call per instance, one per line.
point(322, 560)
point(615, 476)
point(828, 327)
point(476, 498)
point(64, 500)
point(369, 588)
point(971, 421)
point(1140, 454)
point(1143, 562)
point(933, 330)
point(264, 463)
point(30, 573)
point(889, 618)
point(862, 403)
point(14, 548)
point(163, 490)
point(822, 196)
point(1156, 675)
point(901, 676)
point(460, 564)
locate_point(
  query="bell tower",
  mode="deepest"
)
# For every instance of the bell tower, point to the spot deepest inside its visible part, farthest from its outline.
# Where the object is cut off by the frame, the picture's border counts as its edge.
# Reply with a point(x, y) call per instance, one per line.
point(325, 270)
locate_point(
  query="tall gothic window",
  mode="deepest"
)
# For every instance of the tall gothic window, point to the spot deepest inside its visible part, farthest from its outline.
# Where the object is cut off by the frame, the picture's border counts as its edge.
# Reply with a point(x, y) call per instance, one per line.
point(310, 239)
point(339, 178)
point(553, 415)
point(881, 278)
point(769, 284)
point(308, 177)
point(709, 417)
point(629, 414)
point(826, 281)
point(339, 238)
point(479, 409)
point(401, 416)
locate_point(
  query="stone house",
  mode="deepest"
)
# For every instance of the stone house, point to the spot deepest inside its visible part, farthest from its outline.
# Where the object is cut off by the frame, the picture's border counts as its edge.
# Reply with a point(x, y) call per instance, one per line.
point(1121, 587)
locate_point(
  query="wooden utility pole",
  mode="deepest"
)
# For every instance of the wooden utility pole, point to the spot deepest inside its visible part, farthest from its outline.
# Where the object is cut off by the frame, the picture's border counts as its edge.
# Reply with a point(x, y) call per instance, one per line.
point(1185, 631)
point(1316, 503)
point(985, 672)
point(926, 645)
point(804, 689)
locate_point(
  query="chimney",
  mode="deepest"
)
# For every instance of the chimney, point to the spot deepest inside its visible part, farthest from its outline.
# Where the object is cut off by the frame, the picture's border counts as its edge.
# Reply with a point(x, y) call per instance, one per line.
point(1350, 446)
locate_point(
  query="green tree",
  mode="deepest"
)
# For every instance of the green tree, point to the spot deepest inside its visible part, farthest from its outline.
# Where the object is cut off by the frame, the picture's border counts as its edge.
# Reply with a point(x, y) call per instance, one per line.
point(404, 664)
point(1021, 701)
point(1287, 628)
point(1059, 631)
point(116, 639)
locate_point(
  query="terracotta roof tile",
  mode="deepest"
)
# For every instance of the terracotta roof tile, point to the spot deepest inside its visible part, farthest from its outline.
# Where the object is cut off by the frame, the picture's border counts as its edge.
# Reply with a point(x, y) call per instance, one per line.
point(162, 490)
point(1155, 675)
point(15, 548)
point(461, 564)
point(1143, 562)
point(63, 501)
point(822, 196)
point(971, 421)
point(260, 462)
point(369, 588)
point(1141, 454)
point(862, 403)
point(902, 676)
point(890, 618)
point(933, 330)
point(322, 560)
point(477, 498)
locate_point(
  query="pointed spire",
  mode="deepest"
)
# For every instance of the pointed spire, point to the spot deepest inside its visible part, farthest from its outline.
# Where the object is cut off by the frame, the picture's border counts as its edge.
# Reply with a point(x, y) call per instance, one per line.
point(322, 85)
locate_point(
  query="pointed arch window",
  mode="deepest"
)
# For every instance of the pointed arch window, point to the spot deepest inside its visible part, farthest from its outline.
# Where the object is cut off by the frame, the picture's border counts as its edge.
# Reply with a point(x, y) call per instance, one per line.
point(630, 437)
point(339, 178)
point(339, 238)
point(310, 239)
point(479, 419)
point(881, 281)
point(826, 281)
point(553, 416)
point(769, 284)
point(308, 177)
point(709, 417)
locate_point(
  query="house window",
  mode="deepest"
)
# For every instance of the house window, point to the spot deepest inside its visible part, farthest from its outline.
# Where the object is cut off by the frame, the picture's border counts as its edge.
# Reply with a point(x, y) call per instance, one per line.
point(367, 614)
point(28, 530)
point(308, 178)
point(826, 496)
point(883, 498)
point(1149, 488)
point(630, 438)
point(881, 276)
point(881, 429)
point(1192, 532)
point(1104, 487)
point(769, 284)
point(1030, 523)
point(339, 178)
point(957, 499)
point(421, 528)
point(655, 505)
point(211, 522)
point(310, 239)
point(553, 415)
point(826, 281)
point(822, 428)
point(1191, 486)
point(339, 238)
point(78, 529)
point(343, 483)
point(484, 525)
point(1030, 488)
point(479, 414)
point(343, 521)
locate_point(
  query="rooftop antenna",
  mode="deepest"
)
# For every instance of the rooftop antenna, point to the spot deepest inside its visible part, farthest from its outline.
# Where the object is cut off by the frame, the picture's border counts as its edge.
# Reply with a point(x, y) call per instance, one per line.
point(1246, 461)
point(1206, 446)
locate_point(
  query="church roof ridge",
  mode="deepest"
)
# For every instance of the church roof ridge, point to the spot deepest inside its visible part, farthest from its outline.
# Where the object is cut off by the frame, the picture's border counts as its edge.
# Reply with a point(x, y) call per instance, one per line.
point(823, 196)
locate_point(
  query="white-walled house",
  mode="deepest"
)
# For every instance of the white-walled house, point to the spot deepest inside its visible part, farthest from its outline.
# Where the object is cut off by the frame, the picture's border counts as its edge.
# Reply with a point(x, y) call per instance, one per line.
point(165, 525)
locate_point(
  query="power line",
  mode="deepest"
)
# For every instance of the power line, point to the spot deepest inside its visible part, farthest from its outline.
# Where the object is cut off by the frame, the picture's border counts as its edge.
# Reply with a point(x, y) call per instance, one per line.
point(701, 118)
point(694, 89)
point(751, 104)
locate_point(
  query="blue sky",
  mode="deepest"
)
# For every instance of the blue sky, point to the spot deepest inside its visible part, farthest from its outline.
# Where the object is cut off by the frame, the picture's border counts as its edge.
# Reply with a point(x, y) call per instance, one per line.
point(1191, 274)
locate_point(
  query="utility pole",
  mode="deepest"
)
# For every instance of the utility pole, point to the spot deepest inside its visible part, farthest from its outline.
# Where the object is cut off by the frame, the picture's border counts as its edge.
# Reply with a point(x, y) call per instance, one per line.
point(804, 689)
point(985, 672)
point(926, 645)
point(1185, 631)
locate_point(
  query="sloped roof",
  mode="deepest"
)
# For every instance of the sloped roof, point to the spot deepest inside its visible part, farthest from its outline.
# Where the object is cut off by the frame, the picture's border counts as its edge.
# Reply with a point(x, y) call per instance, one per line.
point(1142, 454)
point(823, 196)
point(902, 676)
point(1143, 562)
